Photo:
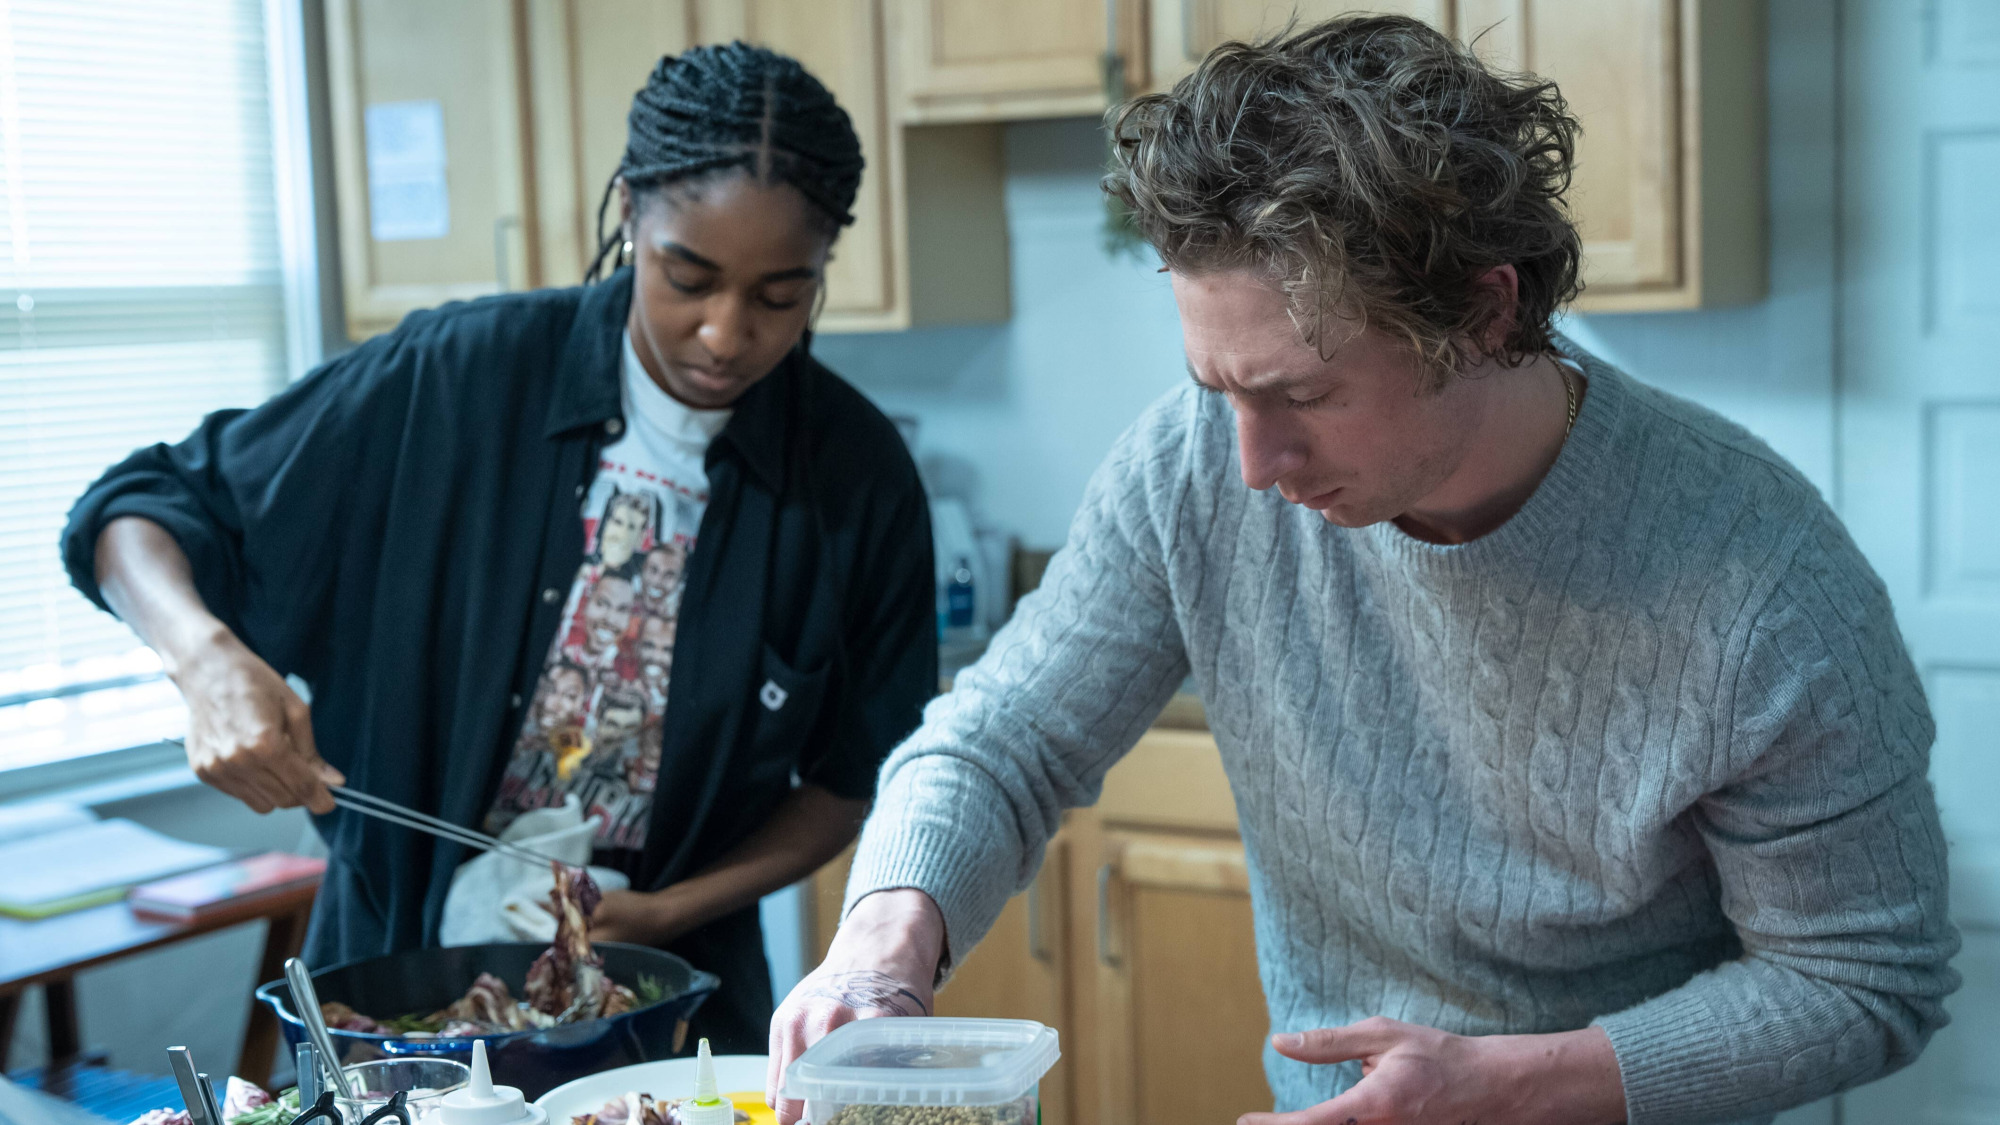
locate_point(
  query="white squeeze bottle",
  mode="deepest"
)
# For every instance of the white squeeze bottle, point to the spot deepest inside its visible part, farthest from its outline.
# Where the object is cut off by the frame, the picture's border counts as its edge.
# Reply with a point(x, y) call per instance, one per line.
point(707, 1107)
point(480, 1102)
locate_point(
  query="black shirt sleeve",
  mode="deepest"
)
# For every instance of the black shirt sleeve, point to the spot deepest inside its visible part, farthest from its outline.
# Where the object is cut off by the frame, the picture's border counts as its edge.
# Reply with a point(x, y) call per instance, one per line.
point(258, 499)
point(891, 646)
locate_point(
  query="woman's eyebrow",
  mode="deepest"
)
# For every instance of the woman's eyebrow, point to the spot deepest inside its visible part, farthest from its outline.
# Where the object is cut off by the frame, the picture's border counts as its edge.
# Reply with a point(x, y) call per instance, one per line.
point(689, 256)
point(796, 273)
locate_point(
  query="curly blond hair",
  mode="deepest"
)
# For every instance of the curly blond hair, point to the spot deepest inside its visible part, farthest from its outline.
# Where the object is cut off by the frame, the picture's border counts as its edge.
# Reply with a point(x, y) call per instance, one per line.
point(1375, 169)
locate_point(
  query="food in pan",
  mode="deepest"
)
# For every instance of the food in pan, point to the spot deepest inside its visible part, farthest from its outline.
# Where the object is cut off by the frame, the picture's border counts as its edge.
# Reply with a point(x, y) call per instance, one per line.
point(566, 984)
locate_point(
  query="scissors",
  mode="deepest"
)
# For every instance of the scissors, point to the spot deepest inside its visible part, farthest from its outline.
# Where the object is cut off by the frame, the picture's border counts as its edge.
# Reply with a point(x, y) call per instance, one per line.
point(324, 1108)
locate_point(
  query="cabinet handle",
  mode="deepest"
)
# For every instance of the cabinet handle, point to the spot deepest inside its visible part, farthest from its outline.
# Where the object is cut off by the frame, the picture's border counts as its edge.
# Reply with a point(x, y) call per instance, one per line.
point(1038, 945)
point(1104, 953)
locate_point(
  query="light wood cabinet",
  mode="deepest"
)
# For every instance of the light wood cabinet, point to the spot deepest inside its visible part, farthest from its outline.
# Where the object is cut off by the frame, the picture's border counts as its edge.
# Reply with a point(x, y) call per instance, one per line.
point(1183, 31)
point(965, 60)
point(1668, 191)
point(1135, 943)
point(1180, 1018)
point(1669, 183)
point(535, 96)
point(458, 62)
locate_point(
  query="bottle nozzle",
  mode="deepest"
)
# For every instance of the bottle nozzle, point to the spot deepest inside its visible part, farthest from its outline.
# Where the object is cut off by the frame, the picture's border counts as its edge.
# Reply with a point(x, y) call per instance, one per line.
point(480, 1102)
point(707, 1107)
point(704, 1074)
point(482, 1072)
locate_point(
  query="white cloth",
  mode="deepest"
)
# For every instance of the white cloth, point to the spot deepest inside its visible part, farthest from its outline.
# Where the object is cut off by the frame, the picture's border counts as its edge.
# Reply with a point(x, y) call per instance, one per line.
point(495, 898)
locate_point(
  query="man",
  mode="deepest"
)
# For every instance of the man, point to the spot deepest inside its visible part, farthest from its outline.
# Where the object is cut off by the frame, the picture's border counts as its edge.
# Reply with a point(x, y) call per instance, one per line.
point(597, 641)
point(656, 658)
point(660, 580)
point(1580, 766)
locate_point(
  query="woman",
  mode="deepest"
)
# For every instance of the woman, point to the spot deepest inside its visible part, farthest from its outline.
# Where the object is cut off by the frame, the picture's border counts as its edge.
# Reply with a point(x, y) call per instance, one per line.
point(443, 534)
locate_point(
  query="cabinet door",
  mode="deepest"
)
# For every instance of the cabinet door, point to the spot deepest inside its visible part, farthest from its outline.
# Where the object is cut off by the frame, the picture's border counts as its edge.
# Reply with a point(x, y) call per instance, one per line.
point(1016, 972)
point(588, 58)
point(1185, 30)
point(430, 218)
point(976, 60)
point(840, 42)
point(1619, 66)
point(1180, 1017)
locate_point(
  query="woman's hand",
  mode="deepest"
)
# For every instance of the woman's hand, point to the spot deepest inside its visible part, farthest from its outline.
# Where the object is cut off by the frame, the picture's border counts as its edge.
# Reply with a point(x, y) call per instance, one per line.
point(249, 734)
point(882, 962)
point(1414, 1075)
point(639, 917)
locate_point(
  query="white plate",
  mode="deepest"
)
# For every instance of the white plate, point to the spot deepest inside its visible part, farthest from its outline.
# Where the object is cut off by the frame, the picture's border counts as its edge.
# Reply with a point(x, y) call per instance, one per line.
point(668, 1078)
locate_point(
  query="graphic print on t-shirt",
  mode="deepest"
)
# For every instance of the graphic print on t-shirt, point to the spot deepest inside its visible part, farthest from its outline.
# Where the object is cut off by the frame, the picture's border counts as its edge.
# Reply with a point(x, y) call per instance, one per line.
point(593, 726)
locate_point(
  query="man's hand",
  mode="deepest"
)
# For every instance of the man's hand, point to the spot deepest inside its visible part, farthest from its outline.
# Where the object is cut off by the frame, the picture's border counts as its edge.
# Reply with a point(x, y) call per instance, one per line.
point(249, 733)
point(1413, 1075)
point(881, 963)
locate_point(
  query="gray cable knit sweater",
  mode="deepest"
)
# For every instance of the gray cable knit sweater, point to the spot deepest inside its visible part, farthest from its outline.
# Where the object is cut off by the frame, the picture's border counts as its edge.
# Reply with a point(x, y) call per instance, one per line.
point(1651, 755)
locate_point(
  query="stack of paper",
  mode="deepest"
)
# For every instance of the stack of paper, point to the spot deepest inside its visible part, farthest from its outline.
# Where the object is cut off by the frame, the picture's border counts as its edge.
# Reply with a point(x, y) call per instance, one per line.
point(24, 820)
point(88, 864)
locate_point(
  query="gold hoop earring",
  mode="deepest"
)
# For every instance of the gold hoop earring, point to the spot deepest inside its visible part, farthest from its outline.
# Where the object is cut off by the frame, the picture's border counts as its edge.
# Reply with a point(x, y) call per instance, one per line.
point(626, 250)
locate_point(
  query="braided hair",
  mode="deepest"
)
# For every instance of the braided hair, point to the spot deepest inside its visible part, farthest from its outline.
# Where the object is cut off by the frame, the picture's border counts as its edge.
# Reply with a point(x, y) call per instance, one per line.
point(734, 107)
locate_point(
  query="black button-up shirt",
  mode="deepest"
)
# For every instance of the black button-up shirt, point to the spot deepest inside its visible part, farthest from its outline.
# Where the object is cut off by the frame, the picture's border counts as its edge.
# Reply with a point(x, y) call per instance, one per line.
point(391, 529)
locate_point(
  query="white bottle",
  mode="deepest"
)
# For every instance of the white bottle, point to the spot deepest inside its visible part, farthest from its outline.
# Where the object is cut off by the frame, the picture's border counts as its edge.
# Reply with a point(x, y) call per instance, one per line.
point(706, 1107)
point(480, 1102)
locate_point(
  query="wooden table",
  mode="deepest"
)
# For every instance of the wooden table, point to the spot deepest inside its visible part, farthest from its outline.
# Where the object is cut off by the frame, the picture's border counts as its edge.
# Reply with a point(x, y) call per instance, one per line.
point(51, 951)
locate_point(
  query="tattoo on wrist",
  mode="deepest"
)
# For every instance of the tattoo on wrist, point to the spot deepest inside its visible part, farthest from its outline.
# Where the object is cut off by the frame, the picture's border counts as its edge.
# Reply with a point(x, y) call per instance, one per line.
point(867, 988)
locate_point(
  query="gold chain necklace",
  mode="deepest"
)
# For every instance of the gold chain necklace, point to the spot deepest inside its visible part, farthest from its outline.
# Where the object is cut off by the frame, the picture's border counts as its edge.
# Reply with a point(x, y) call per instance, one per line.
point(1569, 391)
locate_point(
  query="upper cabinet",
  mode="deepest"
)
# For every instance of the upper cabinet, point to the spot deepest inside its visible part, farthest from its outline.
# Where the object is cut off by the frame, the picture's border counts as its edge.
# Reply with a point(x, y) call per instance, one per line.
point(962, 60)
point(1669, 182)
point(431, 154)
point(473, 139)
point(1668, 189)
point(1182, 31)
point(591, 56)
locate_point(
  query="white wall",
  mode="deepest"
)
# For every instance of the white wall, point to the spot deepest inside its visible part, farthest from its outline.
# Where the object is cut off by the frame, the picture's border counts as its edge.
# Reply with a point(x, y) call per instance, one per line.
point(1024, 410)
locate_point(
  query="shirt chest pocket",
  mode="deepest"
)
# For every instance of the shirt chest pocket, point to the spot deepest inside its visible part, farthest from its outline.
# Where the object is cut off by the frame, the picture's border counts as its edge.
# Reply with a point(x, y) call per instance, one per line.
point(785, 708)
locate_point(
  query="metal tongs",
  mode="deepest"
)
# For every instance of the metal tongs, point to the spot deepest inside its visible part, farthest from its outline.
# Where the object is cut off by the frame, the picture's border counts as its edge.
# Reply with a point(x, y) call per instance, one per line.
point(355, 801)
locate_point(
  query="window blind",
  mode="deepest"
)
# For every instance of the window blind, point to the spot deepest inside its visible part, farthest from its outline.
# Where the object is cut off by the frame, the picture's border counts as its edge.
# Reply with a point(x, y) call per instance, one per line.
point(140, 288)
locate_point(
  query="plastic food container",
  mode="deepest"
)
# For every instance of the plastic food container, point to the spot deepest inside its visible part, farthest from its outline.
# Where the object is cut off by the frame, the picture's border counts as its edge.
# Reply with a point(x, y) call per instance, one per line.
point(925, 1071)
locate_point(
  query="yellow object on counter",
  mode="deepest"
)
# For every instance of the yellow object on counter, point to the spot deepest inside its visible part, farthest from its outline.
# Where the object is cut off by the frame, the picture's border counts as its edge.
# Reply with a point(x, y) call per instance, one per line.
point(752, 1103)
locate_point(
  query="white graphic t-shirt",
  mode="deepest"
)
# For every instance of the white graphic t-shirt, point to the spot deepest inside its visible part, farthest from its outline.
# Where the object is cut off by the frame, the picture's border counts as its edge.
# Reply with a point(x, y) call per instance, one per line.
point(593, 726)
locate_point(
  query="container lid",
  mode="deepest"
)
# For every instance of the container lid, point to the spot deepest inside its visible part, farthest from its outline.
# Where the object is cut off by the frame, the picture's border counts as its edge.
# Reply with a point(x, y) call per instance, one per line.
point(924, 1061)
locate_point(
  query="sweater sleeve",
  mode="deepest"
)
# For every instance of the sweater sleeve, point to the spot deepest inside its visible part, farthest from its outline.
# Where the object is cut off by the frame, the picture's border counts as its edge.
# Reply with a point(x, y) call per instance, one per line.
point(966, 805)
point(1831, 863)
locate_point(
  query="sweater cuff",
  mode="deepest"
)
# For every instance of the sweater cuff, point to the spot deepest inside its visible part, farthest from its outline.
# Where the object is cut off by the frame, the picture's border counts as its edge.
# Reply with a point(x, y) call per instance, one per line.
point(959, 870)
point(1670, 1052)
